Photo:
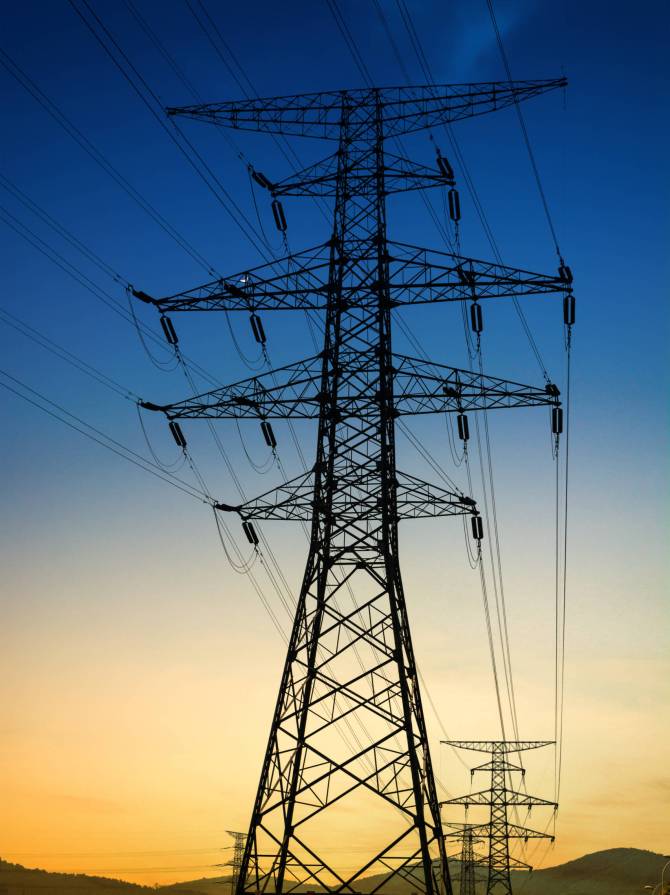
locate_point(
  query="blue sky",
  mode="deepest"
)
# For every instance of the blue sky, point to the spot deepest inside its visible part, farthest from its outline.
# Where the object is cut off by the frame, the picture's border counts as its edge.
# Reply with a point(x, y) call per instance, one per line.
point(86, 530)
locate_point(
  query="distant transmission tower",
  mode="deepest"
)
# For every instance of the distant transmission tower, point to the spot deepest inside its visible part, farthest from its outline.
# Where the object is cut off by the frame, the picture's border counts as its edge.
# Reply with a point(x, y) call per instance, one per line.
point(348, 754)
point(470, 835)
point(499, 798)
point(236, 861)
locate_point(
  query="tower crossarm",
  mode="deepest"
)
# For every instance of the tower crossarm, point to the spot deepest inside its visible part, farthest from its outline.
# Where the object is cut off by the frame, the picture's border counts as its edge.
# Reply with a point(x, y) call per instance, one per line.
point(400, 175)
point(293, 501)
point(420, 387)
point(517, 864)
point(498, 746)
point(492, 797)
point(500, 765)
point(423, 276)
point(426, 387)
point(296, 282)
point(517, 832)
point(295, 395)
point(403, 109)
point(416, 276)
point(474, 832)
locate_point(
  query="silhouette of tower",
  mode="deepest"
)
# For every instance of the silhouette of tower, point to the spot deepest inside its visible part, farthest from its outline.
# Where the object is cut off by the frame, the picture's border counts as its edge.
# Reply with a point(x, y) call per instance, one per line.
point(499, 797)
point(350, 664)
point(469, 859)
point(236, 861)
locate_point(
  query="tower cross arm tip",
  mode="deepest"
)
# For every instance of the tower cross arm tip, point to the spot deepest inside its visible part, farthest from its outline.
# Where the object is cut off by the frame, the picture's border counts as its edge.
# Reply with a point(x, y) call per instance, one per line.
point(404, 109)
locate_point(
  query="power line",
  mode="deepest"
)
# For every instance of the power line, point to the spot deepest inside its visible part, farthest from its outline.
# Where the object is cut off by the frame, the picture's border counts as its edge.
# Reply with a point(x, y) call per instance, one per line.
point(419, 51)
point(145, 94)
point(107, 299)
point(49, 344)
point(53, 110)
point(502, 617)
point(427, 72)
point(524, 131)
point(77, 274)
point(94, 434)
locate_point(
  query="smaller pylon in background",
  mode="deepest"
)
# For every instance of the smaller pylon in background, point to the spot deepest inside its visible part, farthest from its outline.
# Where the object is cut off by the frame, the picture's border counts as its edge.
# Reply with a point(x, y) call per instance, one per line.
point(239, 841)
point(499, 797)
point(470, 835)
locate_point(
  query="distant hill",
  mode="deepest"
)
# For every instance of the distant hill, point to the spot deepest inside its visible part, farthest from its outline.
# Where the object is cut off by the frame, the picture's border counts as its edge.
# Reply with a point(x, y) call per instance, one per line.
point(18, 880)
point(616, 871)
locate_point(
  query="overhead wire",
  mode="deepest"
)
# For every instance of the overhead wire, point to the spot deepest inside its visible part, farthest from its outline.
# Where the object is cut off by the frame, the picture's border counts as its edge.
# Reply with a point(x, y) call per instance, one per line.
point(418, 445)
point(153, 103)
point(69, 357)
point(427, 72)
point(91, 150)
point(84, 280)
point(365, 73)
point(58, 259)
point(310, 323)
point(501, 611)
point(498, 593)
point(524, 131)
point(109, 301)
point(560, 641)
point(273, 562)
point(561, 699)
point(57, 411)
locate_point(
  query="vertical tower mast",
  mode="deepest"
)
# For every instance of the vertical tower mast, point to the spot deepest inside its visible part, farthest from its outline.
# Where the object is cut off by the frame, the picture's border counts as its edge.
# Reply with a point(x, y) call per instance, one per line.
point(348, 753)
point(354, 543)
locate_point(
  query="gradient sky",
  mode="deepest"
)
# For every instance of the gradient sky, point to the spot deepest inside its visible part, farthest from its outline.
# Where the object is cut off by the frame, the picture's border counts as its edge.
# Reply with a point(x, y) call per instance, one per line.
point(138, 670)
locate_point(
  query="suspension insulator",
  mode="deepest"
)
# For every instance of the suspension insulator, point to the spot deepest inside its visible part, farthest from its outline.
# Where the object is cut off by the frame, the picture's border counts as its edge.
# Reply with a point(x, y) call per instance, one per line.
point(177, 434)
point(556, 420)
point(477, 528)
point(268, 435)
point(463, 427)
point(569, 309)
point(445, 168)
point(278, 212)
point(169, 330)
point(476, 318)
point(257, 329)
point(454, 205)
point(250, 532)
point(261, 180)
point(143, 296)
point(565, 273)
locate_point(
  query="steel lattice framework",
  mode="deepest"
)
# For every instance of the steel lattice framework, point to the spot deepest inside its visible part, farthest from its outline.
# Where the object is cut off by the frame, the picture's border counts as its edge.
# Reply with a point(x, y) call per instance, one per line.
point(469, 835)
point(499, 797)
point(350, 663)
point(236, 862)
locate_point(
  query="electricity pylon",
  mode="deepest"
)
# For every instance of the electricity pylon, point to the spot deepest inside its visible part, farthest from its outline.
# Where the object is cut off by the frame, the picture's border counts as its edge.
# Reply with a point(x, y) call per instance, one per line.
point(469, 834)
point(499, 798)
point(238, 854)
point(348, 750)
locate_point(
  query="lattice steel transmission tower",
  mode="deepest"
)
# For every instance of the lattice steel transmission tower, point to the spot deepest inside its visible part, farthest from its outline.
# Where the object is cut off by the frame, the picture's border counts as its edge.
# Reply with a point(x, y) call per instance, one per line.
point(499, 797)
point(348, 750)
point(236, 861)
point(469, 835)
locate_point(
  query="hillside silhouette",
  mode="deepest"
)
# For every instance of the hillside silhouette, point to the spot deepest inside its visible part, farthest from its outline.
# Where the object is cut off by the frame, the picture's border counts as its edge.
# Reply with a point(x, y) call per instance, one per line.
point(615, 871)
